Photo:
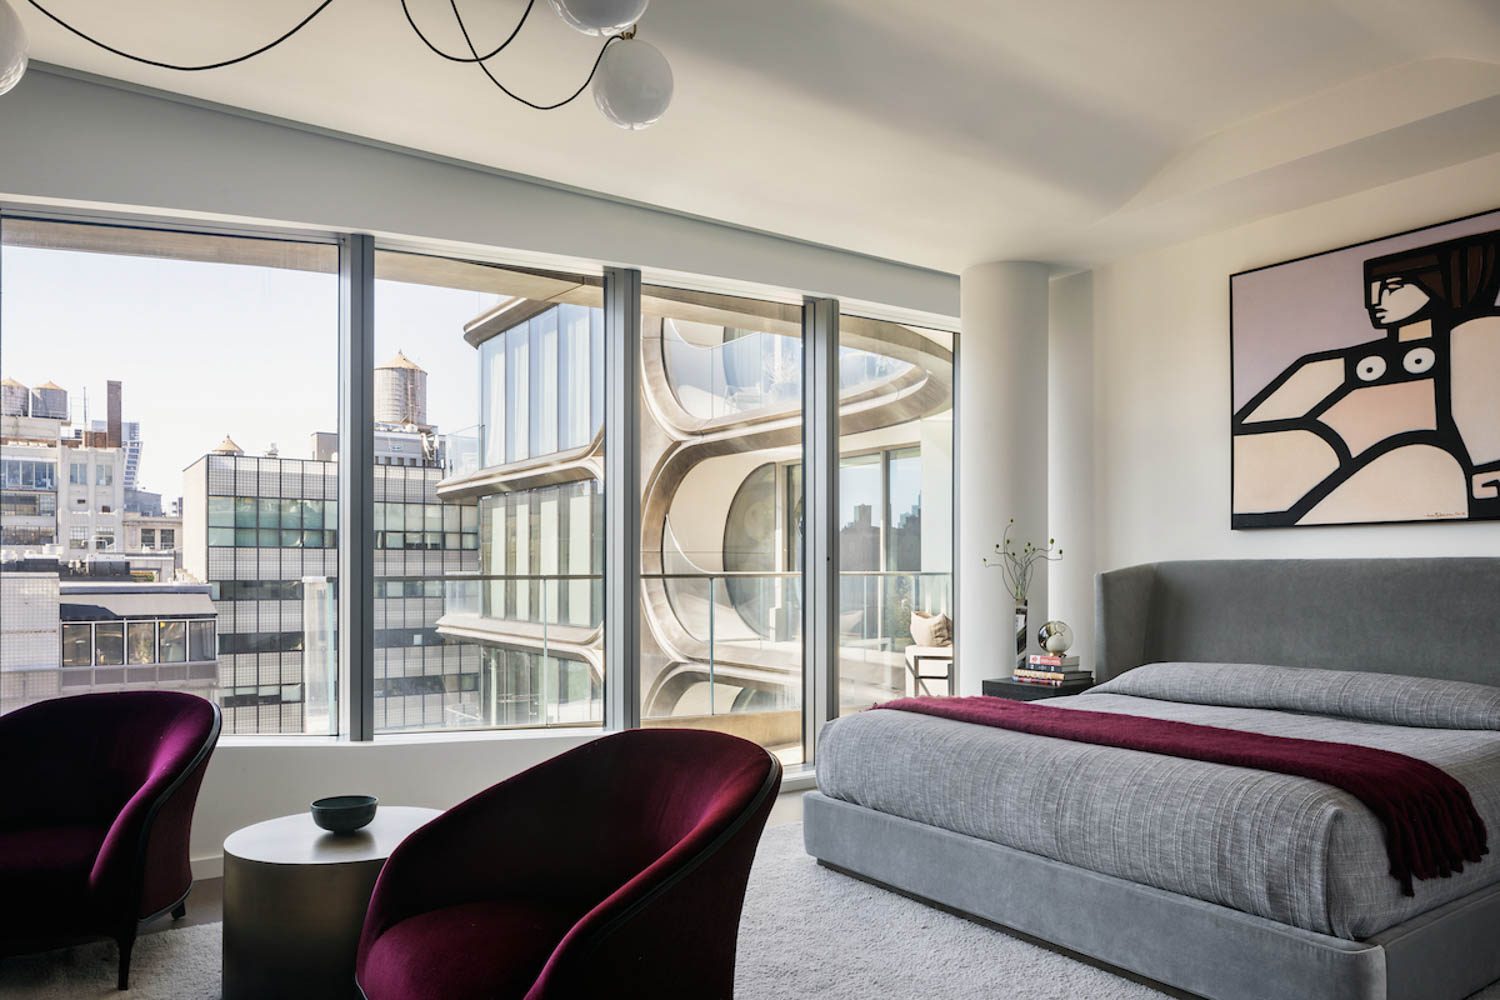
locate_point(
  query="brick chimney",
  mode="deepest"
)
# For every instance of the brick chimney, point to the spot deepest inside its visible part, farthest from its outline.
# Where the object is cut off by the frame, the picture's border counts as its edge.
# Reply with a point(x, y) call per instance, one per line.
point(112, 408)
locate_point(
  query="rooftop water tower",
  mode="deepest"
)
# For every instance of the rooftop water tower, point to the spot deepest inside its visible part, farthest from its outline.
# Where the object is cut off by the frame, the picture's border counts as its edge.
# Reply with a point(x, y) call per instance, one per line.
point(49, 400)
point(15, 398)
point(401, 392)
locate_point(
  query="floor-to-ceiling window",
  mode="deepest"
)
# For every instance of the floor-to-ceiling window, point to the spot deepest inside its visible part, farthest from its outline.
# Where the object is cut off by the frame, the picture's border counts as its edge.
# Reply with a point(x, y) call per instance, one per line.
point(895, 506)
point(720, 441)
point(220, 354)
point(488, 395)
point(488, 391)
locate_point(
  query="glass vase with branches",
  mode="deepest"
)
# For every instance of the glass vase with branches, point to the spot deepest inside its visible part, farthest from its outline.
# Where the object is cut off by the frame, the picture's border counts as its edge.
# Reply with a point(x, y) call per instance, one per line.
point(1019, 565)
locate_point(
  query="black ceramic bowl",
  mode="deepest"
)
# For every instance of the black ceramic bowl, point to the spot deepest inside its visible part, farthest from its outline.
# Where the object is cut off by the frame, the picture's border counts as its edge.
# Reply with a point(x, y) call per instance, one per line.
point(344, 813)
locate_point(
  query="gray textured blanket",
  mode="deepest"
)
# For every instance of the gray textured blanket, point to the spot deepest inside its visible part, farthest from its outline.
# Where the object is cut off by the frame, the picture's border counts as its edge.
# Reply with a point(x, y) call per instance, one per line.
point(1287, 848)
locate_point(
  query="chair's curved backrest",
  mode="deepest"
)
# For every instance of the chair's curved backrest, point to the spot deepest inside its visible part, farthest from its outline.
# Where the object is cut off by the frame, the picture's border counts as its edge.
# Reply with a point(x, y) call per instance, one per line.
point(690, 810)
point(126, 761)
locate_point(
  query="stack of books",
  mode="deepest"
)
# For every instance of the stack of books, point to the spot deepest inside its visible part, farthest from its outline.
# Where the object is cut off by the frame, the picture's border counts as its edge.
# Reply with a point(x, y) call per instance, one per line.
point(1051, 671)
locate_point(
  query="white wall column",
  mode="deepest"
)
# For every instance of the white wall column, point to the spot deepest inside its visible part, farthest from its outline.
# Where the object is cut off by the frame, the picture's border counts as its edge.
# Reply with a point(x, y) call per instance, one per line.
point(1002, 454)
point(1070, 458)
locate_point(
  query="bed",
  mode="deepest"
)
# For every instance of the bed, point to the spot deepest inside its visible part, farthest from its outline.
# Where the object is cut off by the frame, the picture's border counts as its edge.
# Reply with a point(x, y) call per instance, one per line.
point(1222, 881)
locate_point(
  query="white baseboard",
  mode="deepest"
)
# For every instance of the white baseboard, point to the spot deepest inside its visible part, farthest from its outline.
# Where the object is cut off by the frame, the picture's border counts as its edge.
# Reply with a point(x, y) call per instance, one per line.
point(209, 867)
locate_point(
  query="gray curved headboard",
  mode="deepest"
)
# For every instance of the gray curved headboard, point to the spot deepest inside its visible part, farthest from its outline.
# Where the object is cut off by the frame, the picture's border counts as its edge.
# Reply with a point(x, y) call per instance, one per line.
point(1423, 617)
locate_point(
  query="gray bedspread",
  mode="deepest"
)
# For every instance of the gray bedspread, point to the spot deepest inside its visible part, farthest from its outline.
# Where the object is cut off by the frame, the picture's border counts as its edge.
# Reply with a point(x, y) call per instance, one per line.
point(1283, 847)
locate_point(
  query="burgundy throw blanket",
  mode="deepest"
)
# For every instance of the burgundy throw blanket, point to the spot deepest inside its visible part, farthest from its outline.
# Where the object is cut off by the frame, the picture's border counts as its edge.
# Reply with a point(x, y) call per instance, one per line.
point(1431, 826)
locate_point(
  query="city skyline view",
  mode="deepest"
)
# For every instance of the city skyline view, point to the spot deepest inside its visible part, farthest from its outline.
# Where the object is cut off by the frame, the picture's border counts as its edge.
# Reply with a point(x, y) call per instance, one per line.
point(195, 313)
point(488, 571)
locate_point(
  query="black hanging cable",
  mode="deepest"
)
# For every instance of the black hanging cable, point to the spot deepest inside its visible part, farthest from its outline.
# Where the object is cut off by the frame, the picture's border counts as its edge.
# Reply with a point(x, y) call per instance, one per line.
point(507, 91)
point(474, 56)
point(477, 57)
point(186, 69)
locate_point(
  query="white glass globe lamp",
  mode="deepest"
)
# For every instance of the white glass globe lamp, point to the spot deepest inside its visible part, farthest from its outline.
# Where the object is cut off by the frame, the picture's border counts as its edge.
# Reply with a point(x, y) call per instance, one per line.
point(633, 85)
point(599, 17)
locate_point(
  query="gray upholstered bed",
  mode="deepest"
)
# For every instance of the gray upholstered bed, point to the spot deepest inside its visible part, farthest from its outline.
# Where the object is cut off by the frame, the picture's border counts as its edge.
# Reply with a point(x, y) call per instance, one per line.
point(1218, 880)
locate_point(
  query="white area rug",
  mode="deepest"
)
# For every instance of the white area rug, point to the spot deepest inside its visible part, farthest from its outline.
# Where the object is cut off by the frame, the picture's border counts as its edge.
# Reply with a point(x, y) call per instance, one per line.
point(807, 932)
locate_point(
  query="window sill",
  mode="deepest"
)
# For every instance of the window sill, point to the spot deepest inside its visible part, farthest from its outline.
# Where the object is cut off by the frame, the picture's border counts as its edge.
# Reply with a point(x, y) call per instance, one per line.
point(417, 738)
point(802, 778)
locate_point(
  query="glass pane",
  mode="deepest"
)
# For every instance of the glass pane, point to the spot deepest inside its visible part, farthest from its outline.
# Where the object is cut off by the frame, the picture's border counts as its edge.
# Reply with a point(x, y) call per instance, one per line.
point(141, 639)
point(508, 632)
point(177, 340)
point(201, 640)
point(895, 512)
point(172, 639)
point(721, 636)
point(109, 643)
point(221, 512)
point(77, 645)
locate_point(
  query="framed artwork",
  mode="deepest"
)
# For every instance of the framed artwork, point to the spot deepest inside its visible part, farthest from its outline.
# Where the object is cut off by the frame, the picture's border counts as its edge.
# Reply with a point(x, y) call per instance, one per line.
point(1366, 382)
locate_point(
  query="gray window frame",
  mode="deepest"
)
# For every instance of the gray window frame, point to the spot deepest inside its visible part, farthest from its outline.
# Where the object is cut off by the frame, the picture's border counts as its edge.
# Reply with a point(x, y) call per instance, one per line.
point(613, 401)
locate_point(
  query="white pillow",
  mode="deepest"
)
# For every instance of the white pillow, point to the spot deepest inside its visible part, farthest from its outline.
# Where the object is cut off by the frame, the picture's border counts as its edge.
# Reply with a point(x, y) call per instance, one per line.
point(931, 630)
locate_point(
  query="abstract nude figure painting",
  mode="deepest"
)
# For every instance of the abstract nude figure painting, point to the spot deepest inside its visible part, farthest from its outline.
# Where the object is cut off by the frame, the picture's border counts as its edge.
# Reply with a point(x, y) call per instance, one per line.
point(1366, 382)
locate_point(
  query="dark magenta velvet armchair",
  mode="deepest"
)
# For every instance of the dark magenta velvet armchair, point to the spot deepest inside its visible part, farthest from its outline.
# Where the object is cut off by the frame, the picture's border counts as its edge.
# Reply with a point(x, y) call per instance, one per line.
point(99, 796)
point(614, 870)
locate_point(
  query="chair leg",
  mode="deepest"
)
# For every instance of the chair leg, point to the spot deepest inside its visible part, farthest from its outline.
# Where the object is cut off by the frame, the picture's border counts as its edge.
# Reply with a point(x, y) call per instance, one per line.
point(126, 942)
point(180, 910)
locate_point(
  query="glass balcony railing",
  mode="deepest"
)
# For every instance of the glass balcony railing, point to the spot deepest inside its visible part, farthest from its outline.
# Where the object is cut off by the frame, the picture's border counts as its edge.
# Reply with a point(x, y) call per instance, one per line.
point(733, 656)
point(860, 369)
point(875, 613)
point(464, 455)
point(757, 371)
point(875, 608)
point(745, 610)
point(468, 651)
point(562, 599)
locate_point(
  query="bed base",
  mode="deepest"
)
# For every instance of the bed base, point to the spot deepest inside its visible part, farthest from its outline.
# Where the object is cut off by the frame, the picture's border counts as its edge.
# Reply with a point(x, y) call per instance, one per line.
point(1202, 948)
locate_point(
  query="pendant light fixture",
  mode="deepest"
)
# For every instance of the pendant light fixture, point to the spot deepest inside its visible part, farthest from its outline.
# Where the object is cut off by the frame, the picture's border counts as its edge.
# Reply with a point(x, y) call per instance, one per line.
point(600, 17)
point(12, 48)
point(632, 82)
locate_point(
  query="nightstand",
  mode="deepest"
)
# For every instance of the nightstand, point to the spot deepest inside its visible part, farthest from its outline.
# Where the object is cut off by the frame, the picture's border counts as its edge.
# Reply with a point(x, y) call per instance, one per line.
point(1004, 687)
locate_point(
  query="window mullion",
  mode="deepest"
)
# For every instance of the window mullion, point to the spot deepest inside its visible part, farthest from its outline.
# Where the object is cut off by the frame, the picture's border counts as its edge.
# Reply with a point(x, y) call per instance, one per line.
point(622, 499)
point(820, 428)
point(356, 488)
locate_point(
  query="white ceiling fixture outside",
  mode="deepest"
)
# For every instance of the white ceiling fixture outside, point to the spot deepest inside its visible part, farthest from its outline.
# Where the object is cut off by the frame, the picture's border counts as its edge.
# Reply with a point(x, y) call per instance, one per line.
point(940, 133)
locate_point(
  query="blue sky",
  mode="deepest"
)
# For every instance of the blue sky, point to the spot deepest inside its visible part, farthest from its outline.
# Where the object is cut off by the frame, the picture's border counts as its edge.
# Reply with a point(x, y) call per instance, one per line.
point(205, 349)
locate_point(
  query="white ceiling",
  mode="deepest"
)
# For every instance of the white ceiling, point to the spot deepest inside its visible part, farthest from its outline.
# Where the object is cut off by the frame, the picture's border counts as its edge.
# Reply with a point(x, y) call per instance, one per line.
point(936, 132)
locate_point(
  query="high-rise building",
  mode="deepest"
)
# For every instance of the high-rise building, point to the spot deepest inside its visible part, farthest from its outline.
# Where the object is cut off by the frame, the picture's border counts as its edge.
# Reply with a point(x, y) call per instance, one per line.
point(28, 496)
point(263, 533)
point(91, 499)
point(130, 443)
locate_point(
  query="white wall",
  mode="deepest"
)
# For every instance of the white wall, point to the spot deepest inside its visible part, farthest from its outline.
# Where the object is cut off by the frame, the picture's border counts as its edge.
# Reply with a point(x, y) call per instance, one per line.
point(1002, 457)
point(1068, 464)
point(82, 143)
point(1161, 383)
point(249, 779)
